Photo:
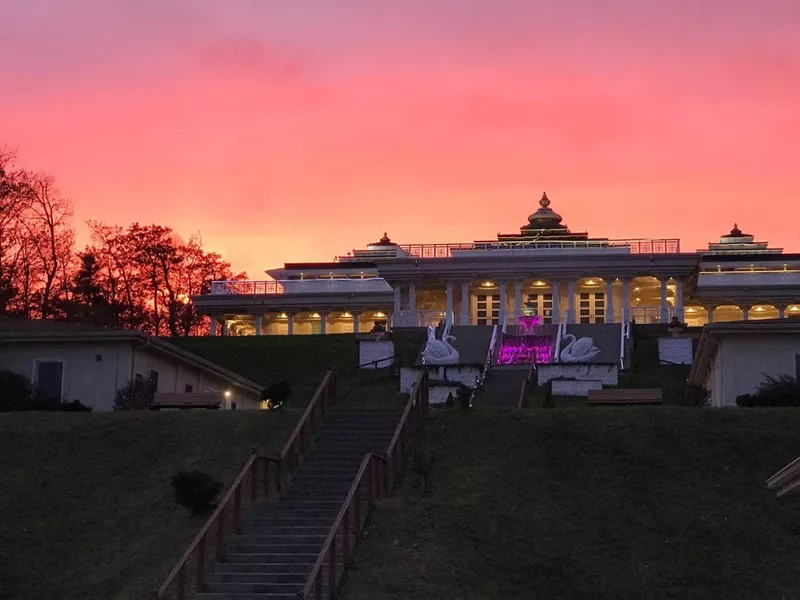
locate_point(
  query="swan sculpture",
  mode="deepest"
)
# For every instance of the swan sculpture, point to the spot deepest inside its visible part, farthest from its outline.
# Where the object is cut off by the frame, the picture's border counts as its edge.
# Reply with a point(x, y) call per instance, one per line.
point(440, 352)
point(578, 350)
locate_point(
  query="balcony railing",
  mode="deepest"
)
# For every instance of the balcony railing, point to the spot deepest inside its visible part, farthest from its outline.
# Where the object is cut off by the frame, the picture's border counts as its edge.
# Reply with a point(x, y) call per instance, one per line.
point(748, 278)
point(643, 246)
point(299, 286)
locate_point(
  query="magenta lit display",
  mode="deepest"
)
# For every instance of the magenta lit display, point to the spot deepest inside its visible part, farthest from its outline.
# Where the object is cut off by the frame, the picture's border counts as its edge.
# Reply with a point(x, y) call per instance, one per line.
point(522, 350)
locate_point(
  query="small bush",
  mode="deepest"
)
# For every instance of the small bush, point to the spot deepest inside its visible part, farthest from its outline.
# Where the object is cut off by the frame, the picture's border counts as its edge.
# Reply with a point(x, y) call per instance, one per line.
point(694, 395)
point(780, 391)
point(75, 406)
point(135, 395)
point(422, 463)
point(276, 394)
point(548, 396)
point(16, 392)
point(196, 490)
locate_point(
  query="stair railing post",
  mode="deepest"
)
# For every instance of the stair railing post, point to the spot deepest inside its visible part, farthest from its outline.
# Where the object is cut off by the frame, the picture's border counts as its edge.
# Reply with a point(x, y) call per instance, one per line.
point(346, 534)
point(237, 509)
point(332, 569)
point(254, 479)
point(180, 591)
point(220, 534)
point(201, 563)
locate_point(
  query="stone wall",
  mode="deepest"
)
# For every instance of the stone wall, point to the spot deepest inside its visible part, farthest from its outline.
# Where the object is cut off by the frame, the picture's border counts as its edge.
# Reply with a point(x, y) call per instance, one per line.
point(607, 374)
point(464, 374)
point(372, 350)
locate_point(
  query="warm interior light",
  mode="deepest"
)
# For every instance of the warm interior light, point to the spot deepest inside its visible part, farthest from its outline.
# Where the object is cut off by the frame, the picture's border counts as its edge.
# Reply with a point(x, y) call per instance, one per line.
point(487, 284)
point(379, 314)
point(794, 308)
point(315, 316)
point(539, 283)
point(636, 289)
point(346, 315)
point(282, 316)
point(590, 282)
point(690, 309)
point(759, 308)
point(227, 393)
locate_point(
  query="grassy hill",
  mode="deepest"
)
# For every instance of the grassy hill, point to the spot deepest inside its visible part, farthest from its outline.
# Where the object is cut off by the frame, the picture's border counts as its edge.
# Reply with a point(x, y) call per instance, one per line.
point(601, 503)
point(86, 502)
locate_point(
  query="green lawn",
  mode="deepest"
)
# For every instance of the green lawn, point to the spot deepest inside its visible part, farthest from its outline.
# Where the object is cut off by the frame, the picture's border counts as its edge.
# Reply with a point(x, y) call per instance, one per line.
point(86, 502)
point(646, 502)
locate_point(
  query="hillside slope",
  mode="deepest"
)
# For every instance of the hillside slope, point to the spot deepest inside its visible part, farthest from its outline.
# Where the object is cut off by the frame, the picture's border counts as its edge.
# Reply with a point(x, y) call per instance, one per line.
point(577, 503)
point(86, 503)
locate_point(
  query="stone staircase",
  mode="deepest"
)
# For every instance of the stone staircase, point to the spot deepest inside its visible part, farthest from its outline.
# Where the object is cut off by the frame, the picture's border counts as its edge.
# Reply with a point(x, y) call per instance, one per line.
point(281, 540)
point(502, 386)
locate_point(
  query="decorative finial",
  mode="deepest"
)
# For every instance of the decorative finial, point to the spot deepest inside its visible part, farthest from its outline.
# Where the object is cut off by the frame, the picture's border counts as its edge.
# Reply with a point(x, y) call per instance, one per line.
point(545, 201)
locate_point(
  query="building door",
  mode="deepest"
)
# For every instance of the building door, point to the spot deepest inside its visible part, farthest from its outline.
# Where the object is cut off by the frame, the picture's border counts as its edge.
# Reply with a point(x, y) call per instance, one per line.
point(487, 309)
point(50, 378)
point(592, 307)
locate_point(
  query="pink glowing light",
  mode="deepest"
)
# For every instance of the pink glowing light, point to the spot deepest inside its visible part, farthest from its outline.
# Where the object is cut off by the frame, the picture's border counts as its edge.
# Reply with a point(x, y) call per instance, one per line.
point(523, 350)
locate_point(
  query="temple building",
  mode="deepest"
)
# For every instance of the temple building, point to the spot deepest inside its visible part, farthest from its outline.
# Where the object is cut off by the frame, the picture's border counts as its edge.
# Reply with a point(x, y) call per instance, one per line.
point(546, 270)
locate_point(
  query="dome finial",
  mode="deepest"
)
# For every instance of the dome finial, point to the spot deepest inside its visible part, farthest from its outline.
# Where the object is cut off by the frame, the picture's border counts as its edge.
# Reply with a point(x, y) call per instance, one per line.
point(545, 201)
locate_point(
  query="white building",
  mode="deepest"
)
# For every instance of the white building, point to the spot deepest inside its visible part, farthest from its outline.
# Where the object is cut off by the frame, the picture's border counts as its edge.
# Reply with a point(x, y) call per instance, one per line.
point(734, 358)
point(72, 362)
point(545, 269)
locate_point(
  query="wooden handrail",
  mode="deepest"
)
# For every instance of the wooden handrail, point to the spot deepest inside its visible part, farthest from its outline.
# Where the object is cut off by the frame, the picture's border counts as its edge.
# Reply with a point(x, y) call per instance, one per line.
point(366, 463)
point(326, 391)
point(321, 389)
point(380, 471)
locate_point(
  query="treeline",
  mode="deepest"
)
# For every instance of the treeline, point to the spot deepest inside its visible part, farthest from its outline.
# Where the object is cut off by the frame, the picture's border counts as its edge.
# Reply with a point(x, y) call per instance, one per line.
point(139, 277)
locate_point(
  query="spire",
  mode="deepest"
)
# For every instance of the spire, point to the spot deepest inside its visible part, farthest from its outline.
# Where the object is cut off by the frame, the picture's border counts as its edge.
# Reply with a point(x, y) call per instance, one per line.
point(545, 201)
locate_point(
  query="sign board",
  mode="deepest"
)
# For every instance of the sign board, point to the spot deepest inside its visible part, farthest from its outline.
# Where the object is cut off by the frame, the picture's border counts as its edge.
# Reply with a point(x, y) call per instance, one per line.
point(675, 351)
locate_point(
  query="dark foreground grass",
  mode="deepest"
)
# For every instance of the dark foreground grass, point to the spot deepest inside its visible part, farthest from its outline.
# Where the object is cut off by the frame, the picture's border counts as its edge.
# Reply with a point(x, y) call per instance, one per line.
point(615, 503)
point(86, 506)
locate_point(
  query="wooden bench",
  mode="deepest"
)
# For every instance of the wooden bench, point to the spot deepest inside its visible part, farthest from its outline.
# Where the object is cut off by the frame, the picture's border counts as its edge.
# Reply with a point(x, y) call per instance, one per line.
point(185, 401)
point(624, 397)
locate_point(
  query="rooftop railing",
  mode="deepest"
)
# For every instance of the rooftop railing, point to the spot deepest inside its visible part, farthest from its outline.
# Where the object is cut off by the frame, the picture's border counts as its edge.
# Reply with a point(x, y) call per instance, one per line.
point(298, 286)
point(641, 246)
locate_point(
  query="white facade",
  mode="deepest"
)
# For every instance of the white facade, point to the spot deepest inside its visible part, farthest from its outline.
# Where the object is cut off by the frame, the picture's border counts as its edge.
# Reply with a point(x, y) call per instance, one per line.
point(94, 366)
point(735, 358)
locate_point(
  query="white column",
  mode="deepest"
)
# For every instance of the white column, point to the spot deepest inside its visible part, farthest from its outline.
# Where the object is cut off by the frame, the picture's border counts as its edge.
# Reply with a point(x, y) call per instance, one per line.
point(556, 301)
point(503, 301)
point(781, 311)
point(323, 322)
point(517, 300)
point(397, 299)
point(225, 330)
point(626, 300)
point(465, 303)
point(610, 300)
point(257, 323)
point(289, 323)
point(710, 312)
point(356, 323)
point(412, 297)
point(679, 298)
point(745, 313)
point(572, 317)
point(449, 302)
point(664, 306)
point(212, 327)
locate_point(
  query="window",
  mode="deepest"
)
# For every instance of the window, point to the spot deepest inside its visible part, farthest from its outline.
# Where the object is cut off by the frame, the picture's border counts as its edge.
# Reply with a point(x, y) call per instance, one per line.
point(188, 389)
point(49, 378)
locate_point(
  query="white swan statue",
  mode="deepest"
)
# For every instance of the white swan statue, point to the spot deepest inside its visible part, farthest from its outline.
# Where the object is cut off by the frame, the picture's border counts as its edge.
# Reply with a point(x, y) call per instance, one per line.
point(578, 351)
point(440, 352)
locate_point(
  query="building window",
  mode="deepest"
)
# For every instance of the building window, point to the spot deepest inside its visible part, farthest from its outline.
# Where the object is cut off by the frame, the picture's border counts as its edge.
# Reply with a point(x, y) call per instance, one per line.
point(188, 388)
point(49, 378)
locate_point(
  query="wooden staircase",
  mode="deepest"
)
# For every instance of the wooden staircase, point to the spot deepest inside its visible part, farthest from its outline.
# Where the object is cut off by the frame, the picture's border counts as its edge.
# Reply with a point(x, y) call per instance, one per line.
point(306, 507)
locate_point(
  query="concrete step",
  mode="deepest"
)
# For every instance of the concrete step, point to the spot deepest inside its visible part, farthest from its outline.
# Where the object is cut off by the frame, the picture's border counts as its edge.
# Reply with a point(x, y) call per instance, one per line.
point(226, 596)
point(253, 588)
point(260, 578)
point(273, 547)
point(288, 568)
point(280, 531)
point(273, 539)
point(270, 557)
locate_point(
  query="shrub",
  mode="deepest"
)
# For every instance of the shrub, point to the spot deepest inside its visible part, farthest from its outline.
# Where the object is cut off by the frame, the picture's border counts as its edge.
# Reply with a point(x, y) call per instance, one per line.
point(780, 391)
point(196, 490)
point(16, 391)
point(422, 463)
point(694, 395)
point(75, 406)
point(548, 396)
point(276, 394)
point(135, 395)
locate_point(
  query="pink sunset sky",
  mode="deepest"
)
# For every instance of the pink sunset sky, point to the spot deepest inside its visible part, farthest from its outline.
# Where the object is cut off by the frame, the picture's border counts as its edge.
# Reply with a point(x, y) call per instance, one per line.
point(296, 131)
